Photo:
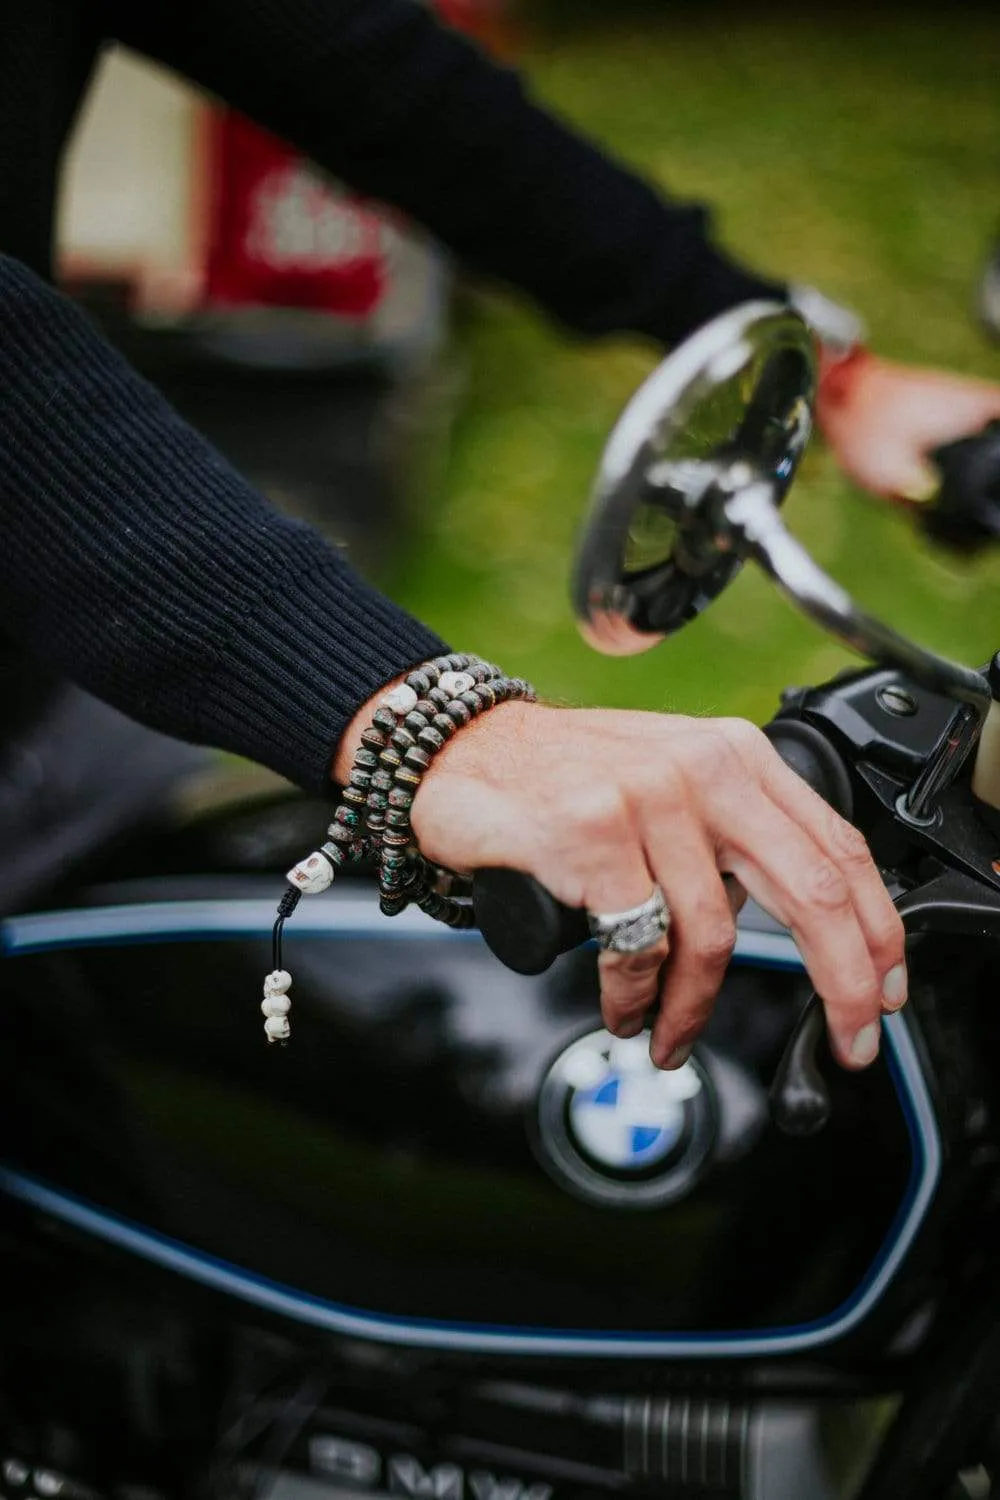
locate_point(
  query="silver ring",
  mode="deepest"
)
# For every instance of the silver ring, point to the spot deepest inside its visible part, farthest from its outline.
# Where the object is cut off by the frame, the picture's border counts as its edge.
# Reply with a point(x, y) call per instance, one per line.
point(634, 930)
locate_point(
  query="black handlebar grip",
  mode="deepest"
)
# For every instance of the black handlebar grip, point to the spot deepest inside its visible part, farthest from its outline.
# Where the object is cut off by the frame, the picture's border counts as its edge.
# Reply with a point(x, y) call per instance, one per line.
point(523, 923)
point(965, 514)
point(811, 756)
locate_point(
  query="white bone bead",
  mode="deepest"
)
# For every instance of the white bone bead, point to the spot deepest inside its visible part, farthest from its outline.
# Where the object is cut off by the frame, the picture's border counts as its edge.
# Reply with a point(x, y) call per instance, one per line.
point(400, 698)
point(277, 982)
point(454, 683)
point(277, 1028)
point(276, 1005)
point(312, 875)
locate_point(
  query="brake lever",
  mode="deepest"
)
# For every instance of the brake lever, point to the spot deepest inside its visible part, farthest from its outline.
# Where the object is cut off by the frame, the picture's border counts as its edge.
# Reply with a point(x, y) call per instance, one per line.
point(800, 1098)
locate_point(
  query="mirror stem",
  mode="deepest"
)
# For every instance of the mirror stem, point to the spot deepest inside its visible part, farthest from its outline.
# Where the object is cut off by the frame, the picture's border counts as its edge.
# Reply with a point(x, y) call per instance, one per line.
point(757, 530)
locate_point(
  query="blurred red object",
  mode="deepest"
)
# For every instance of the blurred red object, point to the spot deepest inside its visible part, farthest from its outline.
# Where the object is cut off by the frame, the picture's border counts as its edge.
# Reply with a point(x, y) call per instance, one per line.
point(489, 21)
point(279, 234)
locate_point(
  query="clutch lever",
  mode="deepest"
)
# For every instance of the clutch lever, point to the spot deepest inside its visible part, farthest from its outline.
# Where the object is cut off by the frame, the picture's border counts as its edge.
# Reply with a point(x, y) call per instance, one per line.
point(799, 1098)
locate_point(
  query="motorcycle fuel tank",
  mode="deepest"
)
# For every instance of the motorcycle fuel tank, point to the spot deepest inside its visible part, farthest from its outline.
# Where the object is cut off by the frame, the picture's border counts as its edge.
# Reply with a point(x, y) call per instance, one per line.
point(446, 1156)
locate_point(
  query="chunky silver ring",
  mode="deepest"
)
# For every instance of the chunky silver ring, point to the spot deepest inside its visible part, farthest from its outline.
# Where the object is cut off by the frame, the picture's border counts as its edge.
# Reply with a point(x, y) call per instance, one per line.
point(634, 930)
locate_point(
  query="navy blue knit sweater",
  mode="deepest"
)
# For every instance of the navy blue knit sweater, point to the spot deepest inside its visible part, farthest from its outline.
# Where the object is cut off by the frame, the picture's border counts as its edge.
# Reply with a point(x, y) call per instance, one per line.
point(134, 558)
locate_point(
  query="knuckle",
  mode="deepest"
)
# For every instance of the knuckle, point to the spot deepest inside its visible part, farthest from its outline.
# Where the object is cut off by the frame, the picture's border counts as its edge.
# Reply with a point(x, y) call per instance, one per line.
point(658, 784)
point(858, 994)
point(686, 1023)
point(824, 887)
point(713, 757)
point(744, 736)
point(713, 945)
point(890, 934)
point(599, 817)
point(638, 967)
point(849, 845)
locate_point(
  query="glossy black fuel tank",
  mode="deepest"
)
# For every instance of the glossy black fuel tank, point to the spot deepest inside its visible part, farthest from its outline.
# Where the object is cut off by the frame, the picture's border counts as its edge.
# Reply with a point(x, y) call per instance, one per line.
point(437, 1158)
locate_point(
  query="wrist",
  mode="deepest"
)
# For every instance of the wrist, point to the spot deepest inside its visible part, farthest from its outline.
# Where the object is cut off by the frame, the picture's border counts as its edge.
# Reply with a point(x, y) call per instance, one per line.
point(486, 758)
point(838, 377)
point(386, 755)
point(350, 741)
point(474, 752)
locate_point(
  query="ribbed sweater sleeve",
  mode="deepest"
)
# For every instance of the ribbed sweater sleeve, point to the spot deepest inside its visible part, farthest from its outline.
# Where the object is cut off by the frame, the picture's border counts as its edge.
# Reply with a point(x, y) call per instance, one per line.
point(392, 102)
point(134, 557)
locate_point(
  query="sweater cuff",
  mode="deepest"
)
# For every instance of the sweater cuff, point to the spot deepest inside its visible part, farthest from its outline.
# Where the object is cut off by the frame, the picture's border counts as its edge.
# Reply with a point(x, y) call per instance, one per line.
point(339, 641)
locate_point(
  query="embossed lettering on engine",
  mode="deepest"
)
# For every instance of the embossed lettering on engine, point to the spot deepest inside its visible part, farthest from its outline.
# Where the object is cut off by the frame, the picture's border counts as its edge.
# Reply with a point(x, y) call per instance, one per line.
point(365, 1468)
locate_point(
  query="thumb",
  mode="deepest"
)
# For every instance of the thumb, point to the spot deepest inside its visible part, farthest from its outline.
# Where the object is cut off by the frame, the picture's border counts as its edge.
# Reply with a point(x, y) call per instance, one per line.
point(919, 480)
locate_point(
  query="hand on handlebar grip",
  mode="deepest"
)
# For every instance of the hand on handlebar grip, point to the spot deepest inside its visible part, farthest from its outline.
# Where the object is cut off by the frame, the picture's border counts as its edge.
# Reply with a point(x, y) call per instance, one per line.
point(601, 805)
point(886, 421)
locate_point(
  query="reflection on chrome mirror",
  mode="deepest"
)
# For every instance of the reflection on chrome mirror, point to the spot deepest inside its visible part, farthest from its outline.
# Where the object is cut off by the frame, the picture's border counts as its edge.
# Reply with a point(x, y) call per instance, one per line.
point(736, 399)
point(689, 487)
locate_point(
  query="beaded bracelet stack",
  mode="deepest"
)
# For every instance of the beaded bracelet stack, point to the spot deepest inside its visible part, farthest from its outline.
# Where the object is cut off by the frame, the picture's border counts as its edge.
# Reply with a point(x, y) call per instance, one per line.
point(414, 721)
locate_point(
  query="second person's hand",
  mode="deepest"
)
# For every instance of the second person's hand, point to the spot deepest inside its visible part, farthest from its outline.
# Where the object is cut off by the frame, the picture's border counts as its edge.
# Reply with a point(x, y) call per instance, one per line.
point(884, 419)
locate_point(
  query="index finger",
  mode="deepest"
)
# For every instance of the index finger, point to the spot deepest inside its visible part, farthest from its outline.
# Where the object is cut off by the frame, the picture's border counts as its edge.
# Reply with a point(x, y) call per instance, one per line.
point(841, 842)
point(786, 870)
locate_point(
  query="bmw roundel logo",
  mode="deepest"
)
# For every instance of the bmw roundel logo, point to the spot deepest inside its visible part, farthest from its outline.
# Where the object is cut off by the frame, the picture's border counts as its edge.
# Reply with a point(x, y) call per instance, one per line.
point(616, 1130)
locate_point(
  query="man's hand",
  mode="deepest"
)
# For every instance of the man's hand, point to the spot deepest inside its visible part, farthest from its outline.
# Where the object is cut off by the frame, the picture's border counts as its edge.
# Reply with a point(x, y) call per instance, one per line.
point(883, 419)
point(598, 805)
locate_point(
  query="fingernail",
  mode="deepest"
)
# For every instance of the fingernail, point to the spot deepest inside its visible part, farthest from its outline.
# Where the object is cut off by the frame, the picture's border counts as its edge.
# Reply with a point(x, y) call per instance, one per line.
point(921, 484)
point(894, 989)
point(864, 1048)
point(677, 1058)
point(626, 1029)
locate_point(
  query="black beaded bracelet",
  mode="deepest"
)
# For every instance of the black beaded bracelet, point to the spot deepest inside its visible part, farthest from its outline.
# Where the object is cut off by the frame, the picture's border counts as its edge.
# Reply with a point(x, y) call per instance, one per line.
point(413, 722)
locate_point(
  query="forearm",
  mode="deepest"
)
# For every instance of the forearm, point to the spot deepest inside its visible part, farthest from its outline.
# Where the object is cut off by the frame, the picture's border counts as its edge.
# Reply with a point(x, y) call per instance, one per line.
point(138, 561)
point(381, 95)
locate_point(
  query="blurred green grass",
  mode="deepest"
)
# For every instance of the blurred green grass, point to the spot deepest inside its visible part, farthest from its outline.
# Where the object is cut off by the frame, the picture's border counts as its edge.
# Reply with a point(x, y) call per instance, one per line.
point(856, 151)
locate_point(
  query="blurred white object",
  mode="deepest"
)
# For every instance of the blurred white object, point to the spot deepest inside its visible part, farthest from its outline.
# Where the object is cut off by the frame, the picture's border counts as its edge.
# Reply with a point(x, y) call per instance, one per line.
point(142, 193)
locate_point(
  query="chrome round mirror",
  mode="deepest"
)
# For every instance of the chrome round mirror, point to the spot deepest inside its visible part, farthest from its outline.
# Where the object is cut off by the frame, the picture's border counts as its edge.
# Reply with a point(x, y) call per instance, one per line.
point(731, 406)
